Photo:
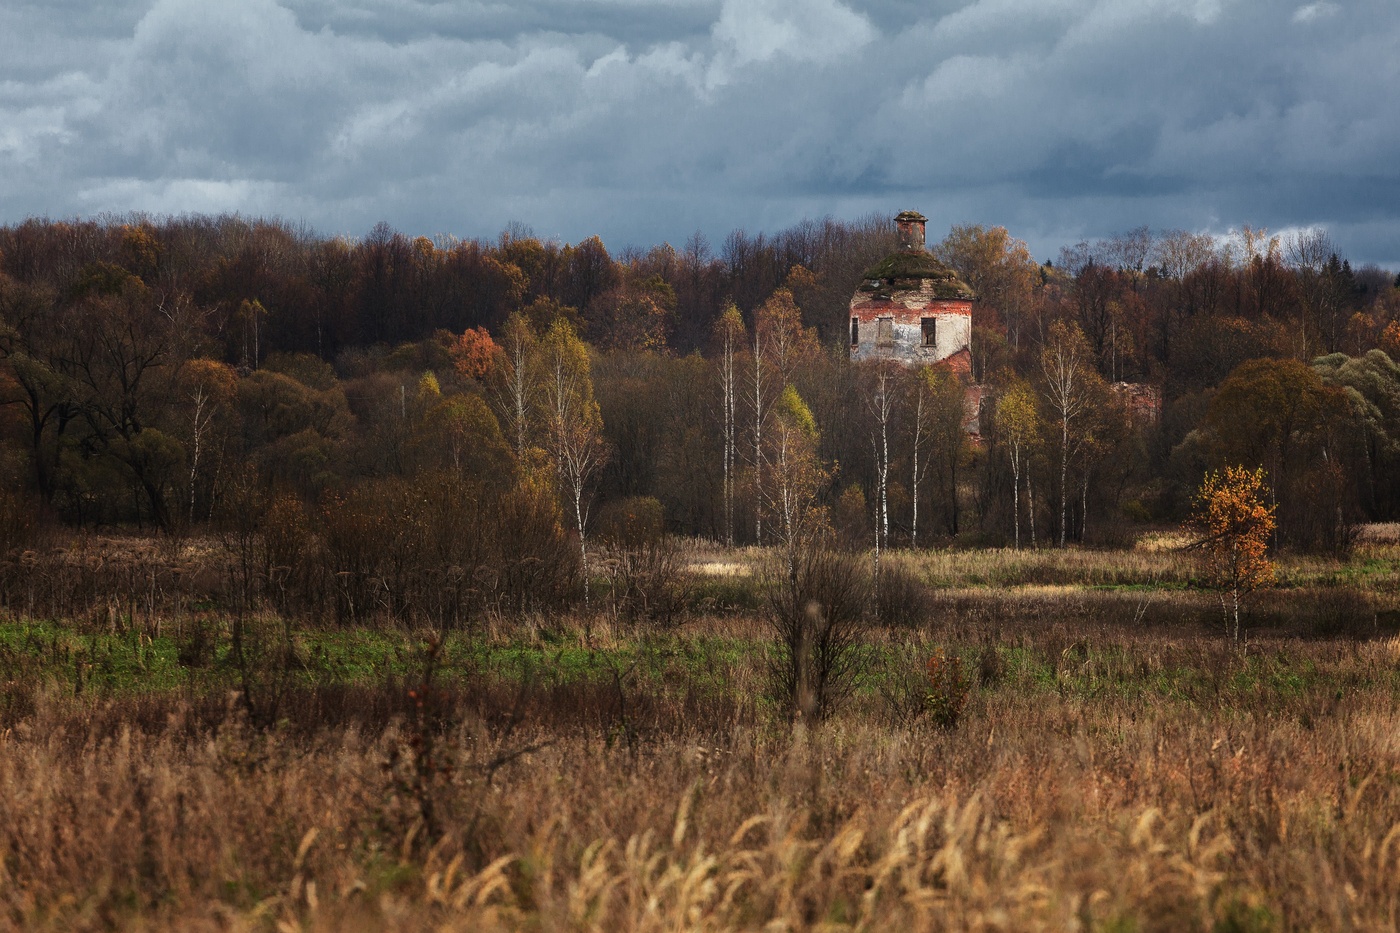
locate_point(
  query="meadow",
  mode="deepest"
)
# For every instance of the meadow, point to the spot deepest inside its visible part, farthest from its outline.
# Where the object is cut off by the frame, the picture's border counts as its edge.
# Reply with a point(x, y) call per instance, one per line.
point(1048, 739)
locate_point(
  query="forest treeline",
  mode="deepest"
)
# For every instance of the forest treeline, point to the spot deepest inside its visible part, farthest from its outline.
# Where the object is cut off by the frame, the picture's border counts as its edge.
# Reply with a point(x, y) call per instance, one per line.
point(378, 396)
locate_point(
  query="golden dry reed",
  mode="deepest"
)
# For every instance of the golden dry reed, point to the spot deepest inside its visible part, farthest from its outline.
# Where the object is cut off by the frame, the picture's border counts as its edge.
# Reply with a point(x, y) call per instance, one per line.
point(1116, 783)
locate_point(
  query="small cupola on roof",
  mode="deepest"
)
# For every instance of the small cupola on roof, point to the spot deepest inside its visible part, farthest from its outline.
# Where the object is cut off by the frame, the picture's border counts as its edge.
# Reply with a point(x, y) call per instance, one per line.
point(911, 267)
point(910, 229)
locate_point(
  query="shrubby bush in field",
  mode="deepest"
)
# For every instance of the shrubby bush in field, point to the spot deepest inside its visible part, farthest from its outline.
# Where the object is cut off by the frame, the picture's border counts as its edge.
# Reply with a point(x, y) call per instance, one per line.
point(818, 610)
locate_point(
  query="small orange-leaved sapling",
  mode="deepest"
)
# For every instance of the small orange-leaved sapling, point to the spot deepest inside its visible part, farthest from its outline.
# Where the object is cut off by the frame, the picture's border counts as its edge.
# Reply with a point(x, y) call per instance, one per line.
point(1232, 525)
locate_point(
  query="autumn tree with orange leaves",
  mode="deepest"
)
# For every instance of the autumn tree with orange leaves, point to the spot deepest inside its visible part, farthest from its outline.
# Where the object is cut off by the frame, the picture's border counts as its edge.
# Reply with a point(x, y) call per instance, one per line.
point(1232, 525)
point(475, 355)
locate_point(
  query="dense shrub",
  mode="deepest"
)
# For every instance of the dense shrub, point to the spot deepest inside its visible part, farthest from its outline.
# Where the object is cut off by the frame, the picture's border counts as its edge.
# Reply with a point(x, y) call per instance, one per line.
point(648, 582)
point(817, 610)
point(947, 688)
point(902, 599)
point(442, 550)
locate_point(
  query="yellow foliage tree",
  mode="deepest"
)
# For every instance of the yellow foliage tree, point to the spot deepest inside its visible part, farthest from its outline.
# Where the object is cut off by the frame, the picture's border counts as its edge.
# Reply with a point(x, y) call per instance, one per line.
point(1232, 525)
point(999, 268)
point(796, 471)
point(210, 387)
point(575, 425)
point(1019, 426)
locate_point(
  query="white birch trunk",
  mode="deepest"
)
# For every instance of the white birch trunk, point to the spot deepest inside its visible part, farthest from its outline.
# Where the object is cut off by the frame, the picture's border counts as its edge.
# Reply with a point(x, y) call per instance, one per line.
point(1064, 475)
point(914, 485)
point(200, 399)
point(1016, 491)
point(727, 380)
point(1030, 506)
point(758, 413)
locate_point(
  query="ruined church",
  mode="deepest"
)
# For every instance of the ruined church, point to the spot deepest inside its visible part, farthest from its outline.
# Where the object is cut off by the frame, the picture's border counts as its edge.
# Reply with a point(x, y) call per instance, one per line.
point(911, 308)
point(914, 310)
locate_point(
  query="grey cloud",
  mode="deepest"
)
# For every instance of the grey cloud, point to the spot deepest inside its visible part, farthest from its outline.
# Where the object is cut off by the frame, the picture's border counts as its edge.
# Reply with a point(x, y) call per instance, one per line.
point(643, 121)
point(398, 21)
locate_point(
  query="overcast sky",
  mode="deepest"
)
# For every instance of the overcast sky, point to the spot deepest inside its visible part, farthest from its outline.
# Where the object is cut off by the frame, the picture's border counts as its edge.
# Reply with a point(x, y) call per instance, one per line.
point(645, 120)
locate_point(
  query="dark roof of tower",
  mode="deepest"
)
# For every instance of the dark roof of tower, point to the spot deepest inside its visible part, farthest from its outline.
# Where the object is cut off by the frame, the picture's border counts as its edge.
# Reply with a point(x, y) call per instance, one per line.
point(910, 215)
point(902, 270)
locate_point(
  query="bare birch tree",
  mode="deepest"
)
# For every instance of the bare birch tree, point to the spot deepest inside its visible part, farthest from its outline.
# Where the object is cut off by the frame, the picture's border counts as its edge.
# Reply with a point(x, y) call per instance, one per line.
point(758, 390)
point(518, 385)
point(1067, 364)
point(730, 331)
point(250, 314)
point(209, 387)
point(919, 387)
point(779, 344)
point(880, 397)
point(575, 425)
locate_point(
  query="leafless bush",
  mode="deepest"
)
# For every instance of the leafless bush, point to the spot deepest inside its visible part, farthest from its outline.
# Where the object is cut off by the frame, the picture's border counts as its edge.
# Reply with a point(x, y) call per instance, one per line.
point(265, 656)
point(423, 763)
point(650, 582)
point(902, 599)
point(440, 551)
point(531, 564)
point(947, 688)
point(903, 685)
point(816, 608)
point(291, 559)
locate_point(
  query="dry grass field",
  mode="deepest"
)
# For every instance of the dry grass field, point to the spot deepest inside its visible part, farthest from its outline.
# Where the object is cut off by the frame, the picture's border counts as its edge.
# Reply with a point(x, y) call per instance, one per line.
point(1113, 762)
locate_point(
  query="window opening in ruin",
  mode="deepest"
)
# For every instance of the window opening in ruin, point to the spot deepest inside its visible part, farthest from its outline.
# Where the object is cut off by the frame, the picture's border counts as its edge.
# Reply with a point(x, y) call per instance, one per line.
point(884, 332)
point(855, 331)
point(930, 329)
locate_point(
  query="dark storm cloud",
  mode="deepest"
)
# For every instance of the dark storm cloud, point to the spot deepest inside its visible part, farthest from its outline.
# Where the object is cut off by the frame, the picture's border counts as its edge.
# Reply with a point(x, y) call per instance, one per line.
point(644, 121)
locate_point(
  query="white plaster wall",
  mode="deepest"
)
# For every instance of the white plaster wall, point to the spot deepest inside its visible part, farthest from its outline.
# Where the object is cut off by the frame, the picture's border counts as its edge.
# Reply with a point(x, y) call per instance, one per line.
point(954, 334)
